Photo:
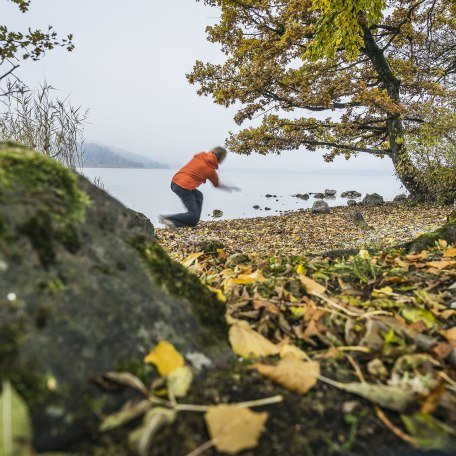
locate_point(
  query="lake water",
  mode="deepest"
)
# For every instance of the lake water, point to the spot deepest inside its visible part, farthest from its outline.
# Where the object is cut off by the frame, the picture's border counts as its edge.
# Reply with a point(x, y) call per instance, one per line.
point(148, 190)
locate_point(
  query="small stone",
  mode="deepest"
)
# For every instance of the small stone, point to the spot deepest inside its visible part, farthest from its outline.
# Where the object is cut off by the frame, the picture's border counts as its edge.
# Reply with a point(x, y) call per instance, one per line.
point(351, 194)
point(198, 360)
point(268, 196)
point(329, 192)
point(304, 196)
point(320, 207)
point(351, 202)
point(373, 199)
point(216, 213)
point(11, 297)
point(267, 208)
point(256, 206)
point(349, 406)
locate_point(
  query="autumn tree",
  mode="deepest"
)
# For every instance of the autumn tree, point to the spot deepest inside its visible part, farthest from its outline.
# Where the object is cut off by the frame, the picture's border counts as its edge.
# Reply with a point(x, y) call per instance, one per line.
point(357, 76)
point(16, 46)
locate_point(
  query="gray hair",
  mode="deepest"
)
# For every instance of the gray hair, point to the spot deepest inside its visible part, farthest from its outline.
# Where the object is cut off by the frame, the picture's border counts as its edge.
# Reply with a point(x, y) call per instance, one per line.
point(220, 153)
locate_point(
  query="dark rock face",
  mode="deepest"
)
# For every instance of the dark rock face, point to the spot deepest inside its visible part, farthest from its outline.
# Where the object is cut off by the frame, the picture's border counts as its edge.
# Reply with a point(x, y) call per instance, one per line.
point(402, 198)
point(351, 202)
point(84, 289)
point(351, 194)
point(373, 199)
point(320, 207)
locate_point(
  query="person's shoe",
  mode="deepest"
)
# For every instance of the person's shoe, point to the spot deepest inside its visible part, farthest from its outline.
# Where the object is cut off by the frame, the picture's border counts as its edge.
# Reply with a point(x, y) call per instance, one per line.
point(166, 221)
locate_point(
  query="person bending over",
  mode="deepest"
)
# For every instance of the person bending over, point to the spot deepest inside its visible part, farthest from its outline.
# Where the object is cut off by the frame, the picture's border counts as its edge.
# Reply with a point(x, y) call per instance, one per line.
point(185, 182)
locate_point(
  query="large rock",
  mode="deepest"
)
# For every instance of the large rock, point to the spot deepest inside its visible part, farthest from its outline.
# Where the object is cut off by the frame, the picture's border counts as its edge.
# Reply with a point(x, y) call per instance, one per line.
point(329, 192)
point(373, 199)
point(84, 289)
point(320, 207)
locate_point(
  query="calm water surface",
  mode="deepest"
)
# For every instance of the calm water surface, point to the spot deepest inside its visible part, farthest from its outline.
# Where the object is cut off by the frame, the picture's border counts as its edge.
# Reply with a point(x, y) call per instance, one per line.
point(148, 190)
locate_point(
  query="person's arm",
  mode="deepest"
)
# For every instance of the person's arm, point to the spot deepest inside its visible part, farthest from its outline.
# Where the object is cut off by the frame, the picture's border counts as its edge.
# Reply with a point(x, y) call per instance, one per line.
point(213, 177)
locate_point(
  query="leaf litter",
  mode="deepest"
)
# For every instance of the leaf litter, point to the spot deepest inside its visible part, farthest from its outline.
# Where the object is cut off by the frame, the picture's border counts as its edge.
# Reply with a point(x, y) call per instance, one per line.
point(389, 316)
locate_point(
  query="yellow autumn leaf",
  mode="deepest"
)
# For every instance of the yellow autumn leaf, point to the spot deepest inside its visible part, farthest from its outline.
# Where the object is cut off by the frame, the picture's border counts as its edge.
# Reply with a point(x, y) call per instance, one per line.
point(191, 258)
point(442, 243)
point(289, 349)
point(297, 311)
point(311, 286)
point(220, 296)
point(165, 357)
point(233, 428)
point(292, 373)
point(248, 343)
point(450, 253)
point(245, 279)
point(301, 269)
point(179, 381)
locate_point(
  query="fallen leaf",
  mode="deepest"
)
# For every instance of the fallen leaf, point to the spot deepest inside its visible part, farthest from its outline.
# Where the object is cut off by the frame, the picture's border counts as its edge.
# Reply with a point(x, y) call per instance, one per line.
point(191, 258)
point(387, 396)
point(311, 286)
point(415, 314)
point(450, 335)
point(179, 381)
point(450, 253)
point(127, 379)
point(14, 417)
point(292, 373)
point(289, 349)
point(417, 257)
point(125, 415)
point(248, 343)
point(233, 428)
point(165, 357)
point(430, 433)
point(441, 264)
point(141, 439)
point(245, 279)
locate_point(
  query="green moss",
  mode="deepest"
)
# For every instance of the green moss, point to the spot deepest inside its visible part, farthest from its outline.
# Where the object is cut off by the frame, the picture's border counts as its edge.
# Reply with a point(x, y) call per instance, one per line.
point(51, 183)
point(50, 189)
point(178, 281)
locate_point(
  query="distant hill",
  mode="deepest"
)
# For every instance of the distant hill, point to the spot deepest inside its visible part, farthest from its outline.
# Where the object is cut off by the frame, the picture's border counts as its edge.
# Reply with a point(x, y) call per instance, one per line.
point(96, 156)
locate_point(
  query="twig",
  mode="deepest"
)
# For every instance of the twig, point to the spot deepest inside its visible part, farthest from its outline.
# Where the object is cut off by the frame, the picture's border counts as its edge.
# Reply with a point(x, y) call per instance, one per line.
point(394, 429)
point(447, 379)
point(358, 371)
point(202, 448)
point(260, 402)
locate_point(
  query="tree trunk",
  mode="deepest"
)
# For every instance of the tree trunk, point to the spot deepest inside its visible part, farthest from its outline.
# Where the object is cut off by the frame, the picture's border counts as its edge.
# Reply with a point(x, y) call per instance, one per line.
point(403, 164)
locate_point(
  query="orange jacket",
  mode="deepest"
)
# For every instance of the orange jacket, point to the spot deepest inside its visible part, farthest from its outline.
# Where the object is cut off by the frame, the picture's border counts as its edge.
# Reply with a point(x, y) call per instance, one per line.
point(201, 167)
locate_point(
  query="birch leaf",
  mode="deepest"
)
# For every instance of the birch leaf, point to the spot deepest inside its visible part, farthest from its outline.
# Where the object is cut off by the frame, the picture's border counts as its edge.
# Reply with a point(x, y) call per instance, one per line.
point(248, 343)
point(187, 262)
point(165, 357)
point(179, 381)
point(234, 428)
point(292, 373)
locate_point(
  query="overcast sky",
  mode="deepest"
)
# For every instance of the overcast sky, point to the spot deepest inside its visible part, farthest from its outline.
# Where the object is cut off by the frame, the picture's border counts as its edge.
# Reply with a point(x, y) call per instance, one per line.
point(129, 69)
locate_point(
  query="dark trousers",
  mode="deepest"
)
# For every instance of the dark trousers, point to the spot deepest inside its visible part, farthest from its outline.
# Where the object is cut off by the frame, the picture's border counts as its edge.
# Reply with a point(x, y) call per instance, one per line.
point(193, 202)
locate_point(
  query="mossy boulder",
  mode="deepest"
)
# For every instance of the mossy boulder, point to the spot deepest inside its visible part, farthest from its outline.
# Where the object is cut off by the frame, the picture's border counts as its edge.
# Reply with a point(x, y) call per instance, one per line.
point(84, 289)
